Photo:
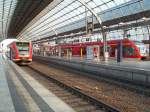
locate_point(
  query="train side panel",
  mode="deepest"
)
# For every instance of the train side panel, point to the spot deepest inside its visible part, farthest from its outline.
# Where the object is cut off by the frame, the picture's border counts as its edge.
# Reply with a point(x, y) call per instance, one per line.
point(130, 49)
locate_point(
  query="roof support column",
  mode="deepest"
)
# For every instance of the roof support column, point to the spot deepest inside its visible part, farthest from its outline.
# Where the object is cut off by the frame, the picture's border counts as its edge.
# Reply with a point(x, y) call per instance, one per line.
point(102, 29)
point(148, 29)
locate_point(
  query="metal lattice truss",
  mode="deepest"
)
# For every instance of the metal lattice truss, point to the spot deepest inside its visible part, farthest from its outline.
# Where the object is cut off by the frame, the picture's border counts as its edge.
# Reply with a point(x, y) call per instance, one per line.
point(64, 15)
point(24, 12)
point(7, 8)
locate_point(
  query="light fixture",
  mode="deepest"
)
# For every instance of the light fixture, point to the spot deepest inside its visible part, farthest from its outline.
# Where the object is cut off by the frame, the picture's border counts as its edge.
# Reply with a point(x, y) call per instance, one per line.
point(144, 18)
point(104, 26)
point(121, 23)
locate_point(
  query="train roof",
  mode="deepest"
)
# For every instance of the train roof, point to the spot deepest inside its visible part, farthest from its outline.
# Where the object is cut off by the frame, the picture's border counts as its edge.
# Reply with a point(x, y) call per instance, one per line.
point(18, 42)
point(22, 42)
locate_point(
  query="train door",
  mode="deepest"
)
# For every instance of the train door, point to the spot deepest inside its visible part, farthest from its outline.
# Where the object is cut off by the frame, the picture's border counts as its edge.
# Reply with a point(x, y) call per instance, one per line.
point(59, 51)
point(89, 52)
point(96, 52)
point(63, 52)
point(82, 51)
point(112, 51)
point(92, 52)
point(69, 52)
point(101, 51)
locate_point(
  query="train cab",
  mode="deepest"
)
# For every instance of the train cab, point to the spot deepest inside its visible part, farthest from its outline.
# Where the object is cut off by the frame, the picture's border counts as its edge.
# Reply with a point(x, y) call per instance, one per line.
point(21, 52)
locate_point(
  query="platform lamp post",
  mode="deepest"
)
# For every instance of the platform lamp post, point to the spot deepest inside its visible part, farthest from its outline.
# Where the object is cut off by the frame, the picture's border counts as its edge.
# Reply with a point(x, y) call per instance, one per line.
point(148, 29)
point(120, 46)
point(83, 2)
point(105, 43)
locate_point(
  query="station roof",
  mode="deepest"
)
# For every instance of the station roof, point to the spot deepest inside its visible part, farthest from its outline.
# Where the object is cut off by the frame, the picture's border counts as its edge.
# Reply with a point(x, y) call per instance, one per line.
point(24, 12)
point(16, 14)
point(7, 8)
point(67, 15)
point(37, 19)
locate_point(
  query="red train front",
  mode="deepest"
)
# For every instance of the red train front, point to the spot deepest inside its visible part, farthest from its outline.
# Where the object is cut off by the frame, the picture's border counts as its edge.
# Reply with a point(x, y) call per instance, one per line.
point(21, 52)
point(131, 49)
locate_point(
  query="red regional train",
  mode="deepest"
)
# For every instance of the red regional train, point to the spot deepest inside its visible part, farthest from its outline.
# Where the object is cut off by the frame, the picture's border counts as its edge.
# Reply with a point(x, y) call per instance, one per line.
point(20, 52)
point(131, 49)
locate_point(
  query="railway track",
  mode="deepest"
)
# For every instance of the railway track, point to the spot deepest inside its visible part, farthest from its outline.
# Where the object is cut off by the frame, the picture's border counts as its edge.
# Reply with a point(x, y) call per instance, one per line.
point(141, 89)
point(80, 101)
point(114, 95)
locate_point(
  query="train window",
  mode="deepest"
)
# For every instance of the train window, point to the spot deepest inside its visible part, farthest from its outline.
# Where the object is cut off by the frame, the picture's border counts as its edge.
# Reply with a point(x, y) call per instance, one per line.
point(87, 39)
point(131, 51)
point(22, 46)
point(128, 51)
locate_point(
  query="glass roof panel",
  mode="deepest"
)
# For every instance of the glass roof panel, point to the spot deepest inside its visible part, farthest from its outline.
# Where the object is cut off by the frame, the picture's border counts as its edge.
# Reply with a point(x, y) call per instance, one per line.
point(146, 4)
point(6, 10)
point(70, 11)
point(135, 7)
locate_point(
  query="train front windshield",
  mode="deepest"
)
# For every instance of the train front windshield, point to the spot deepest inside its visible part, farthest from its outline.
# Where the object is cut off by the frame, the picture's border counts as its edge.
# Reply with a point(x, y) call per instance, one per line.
point(23, 48)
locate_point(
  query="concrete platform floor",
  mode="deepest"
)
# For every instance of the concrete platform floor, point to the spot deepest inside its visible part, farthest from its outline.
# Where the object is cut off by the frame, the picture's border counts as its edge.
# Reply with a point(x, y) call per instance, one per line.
point(133, 64)
point(19, 92)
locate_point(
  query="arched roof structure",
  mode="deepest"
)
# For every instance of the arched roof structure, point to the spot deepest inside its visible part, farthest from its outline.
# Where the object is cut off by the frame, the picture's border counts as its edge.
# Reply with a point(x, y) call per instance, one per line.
point(7, 8)
point(64, 15)
point(42, 19)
